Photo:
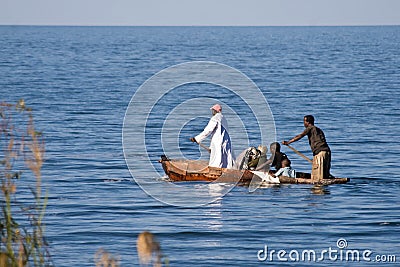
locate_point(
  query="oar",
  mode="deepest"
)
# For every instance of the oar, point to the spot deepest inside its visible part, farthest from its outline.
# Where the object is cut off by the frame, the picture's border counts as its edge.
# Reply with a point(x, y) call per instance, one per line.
point(300, 154)
point(200, 144)
point(205, 147)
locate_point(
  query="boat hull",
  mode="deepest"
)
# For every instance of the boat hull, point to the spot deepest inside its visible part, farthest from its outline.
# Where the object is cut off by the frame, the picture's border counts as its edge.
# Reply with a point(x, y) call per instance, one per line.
point(196, 170)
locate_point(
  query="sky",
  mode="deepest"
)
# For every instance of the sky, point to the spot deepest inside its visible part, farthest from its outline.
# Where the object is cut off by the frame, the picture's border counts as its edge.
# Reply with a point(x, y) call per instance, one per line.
point(200, 12)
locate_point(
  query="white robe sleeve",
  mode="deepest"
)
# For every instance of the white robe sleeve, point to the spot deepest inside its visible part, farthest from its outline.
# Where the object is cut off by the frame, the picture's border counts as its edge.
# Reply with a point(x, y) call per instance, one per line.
point(210, 128)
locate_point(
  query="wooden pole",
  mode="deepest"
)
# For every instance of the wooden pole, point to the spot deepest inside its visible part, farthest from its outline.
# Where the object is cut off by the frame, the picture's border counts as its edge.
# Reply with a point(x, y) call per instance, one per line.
point(300, 154)
point(205, 147)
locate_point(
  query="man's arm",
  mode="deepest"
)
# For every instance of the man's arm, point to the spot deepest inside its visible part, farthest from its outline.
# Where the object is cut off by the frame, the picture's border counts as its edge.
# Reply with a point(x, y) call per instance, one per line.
point(296, 138)
point(279, 172)
point(212, 124)
point(262, 166)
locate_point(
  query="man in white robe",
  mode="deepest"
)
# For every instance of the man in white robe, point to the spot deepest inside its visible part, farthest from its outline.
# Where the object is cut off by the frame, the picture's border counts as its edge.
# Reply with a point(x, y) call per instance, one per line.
point(221, 147)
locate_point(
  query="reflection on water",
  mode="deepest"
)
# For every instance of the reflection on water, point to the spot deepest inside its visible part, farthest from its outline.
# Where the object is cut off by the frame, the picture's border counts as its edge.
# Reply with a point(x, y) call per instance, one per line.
point(213, 213)
point(217, 189)
point(320, 190)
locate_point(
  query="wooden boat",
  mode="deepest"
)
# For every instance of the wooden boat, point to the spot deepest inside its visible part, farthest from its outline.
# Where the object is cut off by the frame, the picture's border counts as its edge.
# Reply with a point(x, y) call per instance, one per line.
point(198, 170)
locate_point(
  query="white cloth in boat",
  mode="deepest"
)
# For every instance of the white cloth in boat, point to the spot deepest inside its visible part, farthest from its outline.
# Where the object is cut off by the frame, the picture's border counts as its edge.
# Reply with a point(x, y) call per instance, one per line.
point(266, 177)
point(221, 148)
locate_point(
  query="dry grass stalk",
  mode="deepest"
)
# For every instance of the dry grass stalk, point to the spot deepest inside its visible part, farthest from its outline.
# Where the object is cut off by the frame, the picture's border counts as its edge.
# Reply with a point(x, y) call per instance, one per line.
point(21, 246)
point(148, 249)
point(104, 259)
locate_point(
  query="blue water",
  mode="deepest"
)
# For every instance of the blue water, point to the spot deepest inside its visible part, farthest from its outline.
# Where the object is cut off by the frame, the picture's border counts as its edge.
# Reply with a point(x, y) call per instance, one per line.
point(80, 80)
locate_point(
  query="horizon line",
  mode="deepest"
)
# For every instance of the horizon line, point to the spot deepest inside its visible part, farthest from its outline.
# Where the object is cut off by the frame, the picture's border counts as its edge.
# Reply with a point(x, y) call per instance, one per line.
point(200, 25)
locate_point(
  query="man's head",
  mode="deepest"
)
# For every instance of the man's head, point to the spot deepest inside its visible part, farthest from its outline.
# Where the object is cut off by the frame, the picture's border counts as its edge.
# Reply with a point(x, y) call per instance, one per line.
point(216, 109)
point(275, 147)
point(263, 149)
point(308, 120)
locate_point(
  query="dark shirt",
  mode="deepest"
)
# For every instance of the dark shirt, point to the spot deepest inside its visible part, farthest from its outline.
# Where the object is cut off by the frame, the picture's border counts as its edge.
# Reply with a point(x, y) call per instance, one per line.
point(277, 162)
point(316, 138)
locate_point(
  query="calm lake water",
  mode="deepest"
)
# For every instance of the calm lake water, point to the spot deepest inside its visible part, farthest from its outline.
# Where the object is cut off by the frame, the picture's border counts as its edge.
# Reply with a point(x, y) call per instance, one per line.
point(80, 80)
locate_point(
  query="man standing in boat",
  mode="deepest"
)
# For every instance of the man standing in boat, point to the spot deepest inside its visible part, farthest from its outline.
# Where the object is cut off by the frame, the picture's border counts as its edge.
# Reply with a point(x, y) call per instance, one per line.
point(221, 148)
point(322, 154)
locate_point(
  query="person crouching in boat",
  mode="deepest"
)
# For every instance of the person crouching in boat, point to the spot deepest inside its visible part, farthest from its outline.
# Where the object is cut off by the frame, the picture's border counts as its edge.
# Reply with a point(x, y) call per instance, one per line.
point(275, 160)
point(322, 153)
point(285, 170)
point(276, 156)
point(221, 148)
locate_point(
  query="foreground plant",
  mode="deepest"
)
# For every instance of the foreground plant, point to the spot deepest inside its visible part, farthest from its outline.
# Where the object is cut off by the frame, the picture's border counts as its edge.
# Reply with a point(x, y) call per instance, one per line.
point(21, 225)
point(103, 258)
point(149, 251)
